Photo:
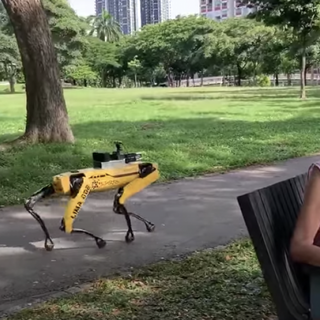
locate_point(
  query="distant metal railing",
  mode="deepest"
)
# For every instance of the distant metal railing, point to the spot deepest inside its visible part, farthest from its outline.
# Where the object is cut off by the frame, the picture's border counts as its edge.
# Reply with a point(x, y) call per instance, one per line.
point(231, 81)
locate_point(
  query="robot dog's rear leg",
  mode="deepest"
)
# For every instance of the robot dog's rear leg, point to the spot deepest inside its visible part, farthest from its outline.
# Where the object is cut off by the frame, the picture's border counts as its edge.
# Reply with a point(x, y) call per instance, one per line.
point(147, 175)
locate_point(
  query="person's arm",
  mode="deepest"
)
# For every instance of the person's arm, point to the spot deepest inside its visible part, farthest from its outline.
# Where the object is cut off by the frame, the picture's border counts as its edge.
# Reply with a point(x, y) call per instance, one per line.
point(302, 248)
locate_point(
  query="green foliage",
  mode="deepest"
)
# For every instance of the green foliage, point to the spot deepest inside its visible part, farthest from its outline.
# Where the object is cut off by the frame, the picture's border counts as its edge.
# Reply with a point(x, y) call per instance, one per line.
point(8, 49)
point(263, 81)
point(105, 27)
point(246, 40)
point(135, 66)
point(238, 49)
point(67, 29)
point(80, 72)
point(300, 17)
point(9, 59)
point(103, 58)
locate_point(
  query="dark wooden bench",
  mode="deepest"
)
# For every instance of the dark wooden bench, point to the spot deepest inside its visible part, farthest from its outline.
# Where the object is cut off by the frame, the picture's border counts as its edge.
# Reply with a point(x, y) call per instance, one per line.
point(270, 214)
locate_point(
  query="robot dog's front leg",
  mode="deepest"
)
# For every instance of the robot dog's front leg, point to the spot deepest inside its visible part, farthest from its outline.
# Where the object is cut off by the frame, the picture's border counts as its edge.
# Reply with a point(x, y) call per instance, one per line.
point(80, 189)
point(30, 203)
point(147, 175)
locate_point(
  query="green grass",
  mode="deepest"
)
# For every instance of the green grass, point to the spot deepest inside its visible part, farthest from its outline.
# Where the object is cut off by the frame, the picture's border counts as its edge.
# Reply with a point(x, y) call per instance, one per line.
point(188, 131)
point(214, 284)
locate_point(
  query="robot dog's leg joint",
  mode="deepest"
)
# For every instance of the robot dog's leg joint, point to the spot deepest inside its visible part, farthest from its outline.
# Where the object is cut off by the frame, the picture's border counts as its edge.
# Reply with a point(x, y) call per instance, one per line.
point(121, 209)
point(80, 189)
point(147, 174)
point(30, 203)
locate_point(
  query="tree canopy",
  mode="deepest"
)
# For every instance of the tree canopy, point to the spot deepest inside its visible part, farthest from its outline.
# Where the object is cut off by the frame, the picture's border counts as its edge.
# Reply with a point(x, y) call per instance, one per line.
point(300, 18)
point(237, 49)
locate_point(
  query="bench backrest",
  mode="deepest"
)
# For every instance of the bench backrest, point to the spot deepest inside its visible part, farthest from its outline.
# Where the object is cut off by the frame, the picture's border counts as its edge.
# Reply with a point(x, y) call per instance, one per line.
point(270, 214)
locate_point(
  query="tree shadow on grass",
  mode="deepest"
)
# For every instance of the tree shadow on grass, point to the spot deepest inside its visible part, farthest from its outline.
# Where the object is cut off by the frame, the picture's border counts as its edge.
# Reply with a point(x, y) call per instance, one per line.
point(10, 93)
point(242, 90)
point(7, 137)
point(281, 95)
point(234, 97)
point(171, 97)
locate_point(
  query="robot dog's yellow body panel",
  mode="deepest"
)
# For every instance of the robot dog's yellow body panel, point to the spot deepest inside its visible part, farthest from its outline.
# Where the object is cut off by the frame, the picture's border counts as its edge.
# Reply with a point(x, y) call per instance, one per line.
point(115, 171)
point(100, 179)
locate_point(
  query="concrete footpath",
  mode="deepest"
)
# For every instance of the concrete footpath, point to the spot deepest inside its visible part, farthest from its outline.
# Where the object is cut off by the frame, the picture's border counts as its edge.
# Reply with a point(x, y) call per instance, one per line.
point(189, 214)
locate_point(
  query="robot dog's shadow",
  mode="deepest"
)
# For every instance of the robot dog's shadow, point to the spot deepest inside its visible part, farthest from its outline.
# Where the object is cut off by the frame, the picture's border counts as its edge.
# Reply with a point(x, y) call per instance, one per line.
point(69, 242)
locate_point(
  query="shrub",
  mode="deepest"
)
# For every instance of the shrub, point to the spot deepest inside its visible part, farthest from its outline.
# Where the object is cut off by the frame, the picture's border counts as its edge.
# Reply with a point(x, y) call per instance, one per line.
point(263, 81)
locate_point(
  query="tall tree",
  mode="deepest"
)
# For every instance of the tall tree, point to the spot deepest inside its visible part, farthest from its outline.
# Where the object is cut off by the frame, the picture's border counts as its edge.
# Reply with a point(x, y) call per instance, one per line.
point(102, 58)
point(302, 17)
point(105, 27)
point(47, 117)
point(9, 59)
point(67, 30)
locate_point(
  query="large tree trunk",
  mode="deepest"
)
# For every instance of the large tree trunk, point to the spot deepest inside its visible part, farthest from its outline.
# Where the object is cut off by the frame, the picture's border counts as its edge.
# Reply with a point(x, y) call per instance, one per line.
point(47, 117)
point(12, 82)
point(239, 75)
point(201, 78)
point(10, 77)
point(302, 75)
point(289, 79)
point(306, 69)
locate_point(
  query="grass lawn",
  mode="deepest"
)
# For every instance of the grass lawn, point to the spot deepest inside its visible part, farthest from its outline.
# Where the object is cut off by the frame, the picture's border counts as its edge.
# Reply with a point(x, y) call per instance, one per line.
point(214, 284)
point(188, 131)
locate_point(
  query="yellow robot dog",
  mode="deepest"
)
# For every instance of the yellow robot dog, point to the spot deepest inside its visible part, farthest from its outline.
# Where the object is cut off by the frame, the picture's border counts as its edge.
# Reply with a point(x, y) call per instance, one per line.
point(116, 170)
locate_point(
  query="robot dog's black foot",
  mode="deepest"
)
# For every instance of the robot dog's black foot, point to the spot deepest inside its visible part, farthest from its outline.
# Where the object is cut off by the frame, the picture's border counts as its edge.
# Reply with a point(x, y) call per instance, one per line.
point(129, 237)
point(149, 225)
point(121, 209)
point(49, 246)
point(100, 242)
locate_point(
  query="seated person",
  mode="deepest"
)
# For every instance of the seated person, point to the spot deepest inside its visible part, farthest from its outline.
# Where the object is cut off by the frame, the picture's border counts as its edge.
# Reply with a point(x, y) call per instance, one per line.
point(305, 242)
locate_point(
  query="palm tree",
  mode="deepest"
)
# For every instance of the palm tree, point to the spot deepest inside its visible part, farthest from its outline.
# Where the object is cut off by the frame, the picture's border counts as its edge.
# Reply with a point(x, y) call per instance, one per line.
point(105, 27)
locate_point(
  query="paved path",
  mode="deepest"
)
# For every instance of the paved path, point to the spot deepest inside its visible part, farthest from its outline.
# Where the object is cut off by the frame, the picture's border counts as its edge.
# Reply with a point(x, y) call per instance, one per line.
point(190, 214)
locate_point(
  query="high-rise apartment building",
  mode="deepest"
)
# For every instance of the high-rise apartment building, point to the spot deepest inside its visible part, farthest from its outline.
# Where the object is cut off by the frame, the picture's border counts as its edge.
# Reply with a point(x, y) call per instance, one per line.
point(223, 9)
point(154, 11)
point(123, 11)
point(100, 5)
point(132, 14)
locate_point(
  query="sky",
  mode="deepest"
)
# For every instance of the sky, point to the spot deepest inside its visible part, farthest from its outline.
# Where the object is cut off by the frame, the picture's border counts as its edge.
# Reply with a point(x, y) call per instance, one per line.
point(182, 7)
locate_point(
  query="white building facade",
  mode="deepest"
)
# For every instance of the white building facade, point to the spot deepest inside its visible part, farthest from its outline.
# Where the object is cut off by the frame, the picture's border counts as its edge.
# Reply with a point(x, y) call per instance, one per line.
point(223, 9)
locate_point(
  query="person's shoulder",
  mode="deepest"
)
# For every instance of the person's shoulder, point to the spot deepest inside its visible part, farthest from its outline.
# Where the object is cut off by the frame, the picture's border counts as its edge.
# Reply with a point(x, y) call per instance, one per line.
point(314, 169)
